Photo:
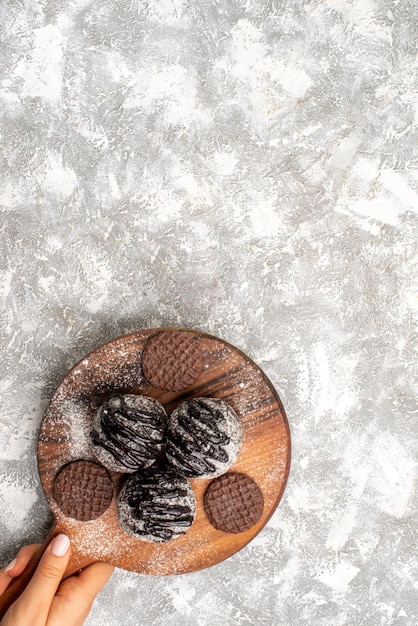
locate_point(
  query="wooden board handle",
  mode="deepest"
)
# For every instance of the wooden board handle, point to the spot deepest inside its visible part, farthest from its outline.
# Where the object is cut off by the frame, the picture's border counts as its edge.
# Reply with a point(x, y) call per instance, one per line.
point(19, 584)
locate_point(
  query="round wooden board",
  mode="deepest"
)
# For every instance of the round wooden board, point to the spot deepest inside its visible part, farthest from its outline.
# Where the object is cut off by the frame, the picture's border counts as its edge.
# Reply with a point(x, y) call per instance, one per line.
point(116, 367)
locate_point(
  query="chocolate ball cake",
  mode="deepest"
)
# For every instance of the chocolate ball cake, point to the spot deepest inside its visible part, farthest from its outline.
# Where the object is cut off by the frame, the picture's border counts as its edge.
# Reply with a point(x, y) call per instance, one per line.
point(203, 437)
point(128, 432)
point(156, 505)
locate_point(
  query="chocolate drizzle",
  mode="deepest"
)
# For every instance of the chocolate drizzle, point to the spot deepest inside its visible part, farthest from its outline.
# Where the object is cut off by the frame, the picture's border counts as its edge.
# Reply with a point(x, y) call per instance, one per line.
point(131, 429)
point(199, 437)
point(160, 505)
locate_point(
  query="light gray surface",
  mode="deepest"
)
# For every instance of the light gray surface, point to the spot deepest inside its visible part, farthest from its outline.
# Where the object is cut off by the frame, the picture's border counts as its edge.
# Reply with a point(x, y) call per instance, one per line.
point(248, 169)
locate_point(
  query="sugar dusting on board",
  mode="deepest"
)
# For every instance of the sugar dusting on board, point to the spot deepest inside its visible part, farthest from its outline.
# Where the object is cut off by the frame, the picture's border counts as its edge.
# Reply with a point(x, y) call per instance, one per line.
point(70, 424)
point(117, 367)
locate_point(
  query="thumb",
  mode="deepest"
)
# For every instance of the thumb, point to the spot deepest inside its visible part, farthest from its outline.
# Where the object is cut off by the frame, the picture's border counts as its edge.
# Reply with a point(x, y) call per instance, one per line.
point(37, 597)
point(17, 566)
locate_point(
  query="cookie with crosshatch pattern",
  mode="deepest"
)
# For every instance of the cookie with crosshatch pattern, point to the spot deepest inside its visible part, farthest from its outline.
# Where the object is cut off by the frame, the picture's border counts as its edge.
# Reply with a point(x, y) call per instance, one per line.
point(233, 502)
point(83, 490)
point(172, 360)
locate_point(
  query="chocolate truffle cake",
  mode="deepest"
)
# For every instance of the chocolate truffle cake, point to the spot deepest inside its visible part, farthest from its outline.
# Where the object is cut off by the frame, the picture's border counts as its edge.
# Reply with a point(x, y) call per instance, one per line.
point(156, 505)
point(129, 432)
point(203, 437)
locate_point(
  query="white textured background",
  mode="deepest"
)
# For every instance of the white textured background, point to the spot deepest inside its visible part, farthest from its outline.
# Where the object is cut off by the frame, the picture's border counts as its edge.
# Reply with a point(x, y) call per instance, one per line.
point(248, 168)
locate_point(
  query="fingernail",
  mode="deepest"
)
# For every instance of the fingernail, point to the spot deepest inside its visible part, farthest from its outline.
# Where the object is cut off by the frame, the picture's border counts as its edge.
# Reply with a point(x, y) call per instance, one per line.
point(60, 545)
point(11, 565)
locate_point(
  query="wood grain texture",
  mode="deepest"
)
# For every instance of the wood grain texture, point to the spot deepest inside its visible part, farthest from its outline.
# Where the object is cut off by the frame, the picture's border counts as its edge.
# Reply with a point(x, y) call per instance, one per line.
point(116, 367)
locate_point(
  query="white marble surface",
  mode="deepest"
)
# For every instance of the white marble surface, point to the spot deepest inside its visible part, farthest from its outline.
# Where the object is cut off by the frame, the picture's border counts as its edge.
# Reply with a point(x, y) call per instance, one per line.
point(248, 168)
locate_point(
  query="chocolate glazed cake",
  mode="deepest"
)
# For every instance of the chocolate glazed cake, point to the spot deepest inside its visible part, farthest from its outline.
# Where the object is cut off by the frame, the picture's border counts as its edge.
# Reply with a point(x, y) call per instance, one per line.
point(203, 437)
point(156, 505)
point(128, 432)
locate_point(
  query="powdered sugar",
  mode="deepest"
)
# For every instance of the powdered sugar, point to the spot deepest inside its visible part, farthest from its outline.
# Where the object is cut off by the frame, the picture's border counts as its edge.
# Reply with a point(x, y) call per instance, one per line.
point(116, 367)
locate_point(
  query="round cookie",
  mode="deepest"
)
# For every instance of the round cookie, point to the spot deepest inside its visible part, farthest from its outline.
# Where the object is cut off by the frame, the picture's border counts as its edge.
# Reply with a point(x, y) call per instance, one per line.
point(233, 502)
point(156, 505)
point(172, 360)
point(128, 432)
point(203, 437)
point(83, 490)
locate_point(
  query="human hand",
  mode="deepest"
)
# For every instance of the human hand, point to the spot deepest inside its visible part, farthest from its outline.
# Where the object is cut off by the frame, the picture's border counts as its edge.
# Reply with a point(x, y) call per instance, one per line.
point(48, 600)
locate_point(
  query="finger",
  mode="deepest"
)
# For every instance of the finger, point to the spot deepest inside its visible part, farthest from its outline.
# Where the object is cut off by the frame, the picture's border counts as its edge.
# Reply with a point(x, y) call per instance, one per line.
point(76, 594)
point(36, 599)
point(94, 577)
point(91, 580)
point(17, 566)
